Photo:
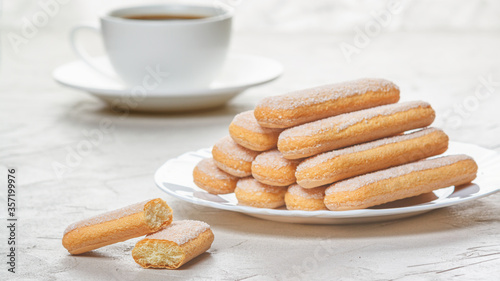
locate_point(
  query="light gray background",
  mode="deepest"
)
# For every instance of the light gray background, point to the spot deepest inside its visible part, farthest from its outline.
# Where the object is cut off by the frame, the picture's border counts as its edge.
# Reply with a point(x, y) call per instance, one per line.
point(438, 52)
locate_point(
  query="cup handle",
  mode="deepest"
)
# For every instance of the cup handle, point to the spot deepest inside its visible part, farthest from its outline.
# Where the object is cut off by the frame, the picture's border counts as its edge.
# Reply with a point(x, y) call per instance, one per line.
point(83, 54)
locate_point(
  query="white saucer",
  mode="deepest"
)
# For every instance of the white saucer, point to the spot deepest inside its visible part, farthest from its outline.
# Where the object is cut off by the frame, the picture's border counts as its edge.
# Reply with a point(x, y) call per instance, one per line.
point(240, 73)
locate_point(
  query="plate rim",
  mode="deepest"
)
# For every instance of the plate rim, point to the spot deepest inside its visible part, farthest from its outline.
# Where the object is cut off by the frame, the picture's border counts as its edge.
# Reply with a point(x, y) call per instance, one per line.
point(174, 94)
point(324, 214)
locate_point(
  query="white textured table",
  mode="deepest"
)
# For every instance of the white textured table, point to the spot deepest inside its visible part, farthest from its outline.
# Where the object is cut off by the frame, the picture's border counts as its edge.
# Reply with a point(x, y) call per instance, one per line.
point(42, 122)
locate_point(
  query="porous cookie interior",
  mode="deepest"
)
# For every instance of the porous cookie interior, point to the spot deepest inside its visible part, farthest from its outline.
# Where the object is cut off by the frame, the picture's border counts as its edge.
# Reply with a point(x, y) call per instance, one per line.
point(158, 253)
point(157, 213)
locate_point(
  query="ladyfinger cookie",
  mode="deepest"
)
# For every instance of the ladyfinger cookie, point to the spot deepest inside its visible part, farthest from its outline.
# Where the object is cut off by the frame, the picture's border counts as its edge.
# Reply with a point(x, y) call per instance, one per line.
point(116, 226)
point(252, 193)
point(174, 245)
point(207, 176)
point(272, 168)
point(233, 158)
point(354, 128)
point(312, 104)
point(368, 157)
point(312, 199)
point(245, 131)
point(400, 182)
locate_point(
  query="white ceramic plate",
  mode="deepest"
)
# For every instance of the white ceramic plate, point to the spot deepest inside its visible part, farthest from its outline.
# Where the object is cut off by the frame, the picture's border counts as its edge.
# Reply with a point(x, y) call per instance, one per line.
point(175, 178)
point(239, 73)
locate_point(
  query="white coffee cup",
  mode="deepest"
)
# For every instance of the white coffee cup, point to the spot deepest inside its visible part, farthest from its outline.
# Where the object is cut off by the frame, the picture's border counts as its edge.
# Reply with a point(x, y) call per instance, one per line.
point(163, 54)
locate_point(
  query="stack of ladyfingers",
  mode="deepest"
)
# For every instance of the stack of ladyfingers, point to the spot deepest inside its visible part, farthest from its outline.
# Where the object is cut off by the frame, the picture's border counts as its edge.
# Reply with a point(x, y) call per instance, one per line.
point(341, 146)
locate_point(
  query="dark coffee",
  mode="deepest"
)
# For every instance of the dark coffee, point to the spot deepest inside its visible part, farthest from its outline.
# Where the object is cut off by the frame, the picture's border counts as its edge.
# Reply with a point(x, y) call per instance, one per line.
point(164, 17)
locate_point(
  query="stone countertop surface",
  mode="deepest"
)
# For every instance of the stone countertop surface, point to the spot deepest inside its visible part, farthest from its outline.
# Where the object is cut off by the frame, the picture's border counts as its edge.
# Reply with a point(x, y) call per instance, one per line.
point(42, 123)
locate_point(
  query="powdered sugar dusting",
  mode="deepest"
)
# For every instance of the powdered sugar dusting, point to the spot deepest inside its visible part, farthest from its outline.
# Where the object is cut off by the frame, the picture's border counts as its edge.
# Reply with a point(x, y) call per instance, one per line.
point(234, 171)
point(180, 232)
point(208, 166)
point(109, 216)
point(247, 121)
point(273, 159)
point(324, 157)
point(322, 94)
point(252, 185)
point(311, 193)
point(343, 121)
point(232, 149)
point(360, 181)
